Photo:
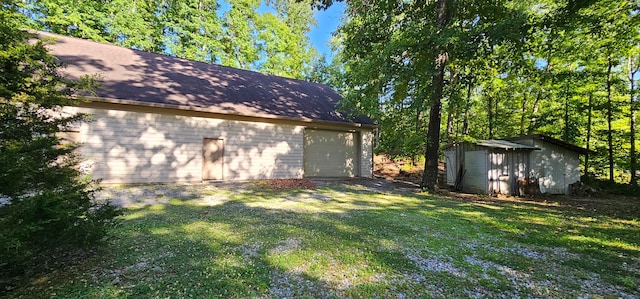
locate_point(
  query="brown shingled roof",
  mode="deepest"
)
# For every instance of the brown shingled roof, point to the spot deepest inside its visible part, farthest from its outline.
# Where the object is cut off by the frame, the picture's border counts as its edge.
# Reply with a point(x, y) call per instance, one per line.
point(142, 78)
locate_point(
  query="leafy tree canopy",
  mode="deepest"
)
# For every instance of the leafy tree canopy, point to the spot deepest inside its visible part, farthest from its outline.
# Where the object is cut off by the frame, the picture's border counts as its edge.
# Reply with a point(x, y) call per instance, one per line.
point(554, 67)
point(236, 34)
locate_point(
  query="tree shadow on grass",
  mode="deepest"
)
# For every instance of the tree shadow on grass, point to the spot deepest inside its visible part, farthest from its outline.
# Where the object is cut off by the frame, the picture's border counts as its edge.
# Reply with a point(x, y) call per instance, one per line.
point(364, 243)
point(537, 223)
point(234, 250)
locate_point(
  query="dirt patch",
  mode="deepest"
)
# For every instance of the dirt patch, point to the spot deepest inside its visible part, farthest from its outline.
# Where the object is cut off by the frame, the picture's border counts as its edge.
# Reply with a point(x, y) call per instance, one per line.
point(402, 169)
point(385, 167)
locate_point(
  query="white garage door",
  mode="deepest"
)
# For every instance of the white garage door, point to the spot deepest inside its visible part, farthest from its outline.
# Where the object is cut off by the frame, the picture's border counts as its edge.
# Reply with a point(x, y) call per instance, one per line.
point(330, 153)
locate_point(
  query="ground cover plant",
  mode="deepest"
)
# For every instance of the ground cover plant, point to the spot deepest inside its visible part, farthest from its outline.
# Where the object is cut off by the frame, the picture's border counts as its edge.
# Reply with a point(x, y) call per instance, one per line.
point(363, 238)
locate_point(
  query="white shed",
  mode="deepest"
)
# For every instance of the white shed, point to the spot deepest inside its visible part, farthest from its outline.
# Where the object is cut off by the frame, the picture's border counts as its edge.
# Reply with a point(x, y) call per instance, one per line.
point(556, 165)
point(501, 166)
point(487, 166)
point(159, 118)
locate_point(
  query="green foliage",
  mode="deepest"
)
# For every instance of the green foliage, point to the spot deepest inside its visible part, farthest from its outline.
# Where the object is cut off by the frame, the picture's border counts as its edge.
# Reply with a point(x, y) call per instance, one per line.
point(393, 51)
point(190, 29)
point(329, 73)
point(514, 68)
point(244, 36)
point(240, 41)
point(614, 188)
point(284, 38)
point(46, 206)
point(37, 228)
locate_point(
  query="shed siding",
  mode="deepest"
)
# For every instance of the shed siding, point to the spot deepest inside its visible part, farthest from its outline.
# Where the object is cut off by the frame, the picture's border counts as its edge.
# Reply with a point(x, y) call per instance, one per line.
point(458, 160)
point(555, 167)
point(134, 147)
point(502, 168)
point(366, 153)
point(499, 172)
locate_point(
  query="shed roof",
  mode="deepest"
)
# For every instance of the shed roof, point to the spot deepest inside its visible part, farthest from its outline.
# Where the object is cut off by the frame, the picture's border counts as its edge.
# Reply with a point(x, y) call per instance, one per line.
point(496, 144)
point(555, 141)
point(136, 77)
point(503, 144)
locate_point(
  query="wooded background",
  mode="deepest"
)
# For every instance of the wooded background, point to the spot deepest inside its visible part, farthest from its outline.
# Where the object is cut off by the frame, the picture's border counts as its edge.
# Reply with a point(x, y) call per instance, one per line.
point(428, 72)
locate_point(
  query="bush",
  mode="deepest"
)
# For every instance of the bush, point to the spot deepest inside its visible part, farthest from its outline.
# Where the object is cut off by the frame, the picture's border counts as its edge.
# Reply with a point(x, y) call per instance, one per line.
point(36, 229)
point(46, 207)
point(608, 187)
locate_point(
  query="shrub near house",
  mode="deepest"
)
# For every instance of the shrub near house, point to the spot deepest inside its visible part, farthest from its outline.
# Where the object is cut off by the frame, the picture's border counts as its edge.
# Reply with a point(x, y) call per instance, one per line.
point(47, 208)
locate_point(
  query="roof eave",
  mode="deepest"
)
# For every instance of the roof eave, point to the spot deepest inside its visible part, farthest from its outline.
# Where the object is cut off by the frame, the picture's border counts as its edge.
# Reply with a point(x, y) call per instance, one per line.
point(511, 148)
point(478, 143)
point(213, 112)
point(567, 145)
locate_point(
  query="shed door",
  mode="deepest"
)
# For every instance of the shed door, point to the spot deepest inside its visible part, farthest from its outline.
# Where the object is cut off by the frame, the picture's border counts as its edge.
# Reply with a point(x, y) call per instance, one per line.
point(450, 164)
point(476, 176)
point(330, 153)
point(212, 158)
point(499, 173)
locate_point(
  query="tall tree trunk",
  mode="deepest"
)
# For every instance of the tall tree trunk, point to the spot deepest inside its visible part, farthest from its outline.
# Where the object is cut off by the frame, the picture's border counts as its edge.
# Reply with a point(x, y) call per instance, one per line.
point(524, 112)
point(441, 57)
point(419, 118)
point(534, 112)
point(453, 105)
point(490, 115)
point(610, 116)
point(632, 140)
point(430, 175)
point(586, 157)
point(450, 117)
point(566, 133)
point(547, 70)
point(465, 127)
point(495, 116)
point(633, 70)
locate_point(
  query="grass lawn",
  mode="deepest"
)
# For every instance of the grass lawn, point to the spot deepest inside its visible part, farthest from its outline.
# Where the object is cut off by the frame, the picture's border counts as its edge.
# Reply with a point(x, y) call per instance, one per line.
point(351, 240)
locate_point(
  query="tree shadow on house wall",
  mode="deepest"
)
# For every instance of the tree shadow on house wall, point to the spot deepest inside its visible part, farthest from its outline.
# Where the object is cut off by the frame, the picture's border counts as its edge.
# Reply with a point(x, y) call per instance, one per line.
point(131, 147)
point(158, 151)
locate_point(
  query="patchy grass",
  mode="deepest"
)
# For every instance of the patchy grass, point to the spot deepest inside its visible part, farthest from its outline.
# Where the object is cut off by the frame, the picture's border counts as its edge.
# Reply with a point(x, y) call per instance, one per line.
point(349, 240)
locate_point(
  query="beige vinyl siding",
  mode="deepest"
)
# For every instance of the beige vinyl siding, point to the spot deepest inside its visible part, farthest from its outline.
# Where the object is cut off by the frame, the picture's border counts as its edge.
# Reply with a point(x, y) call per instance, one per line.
point(366, 152)
point(131, 147)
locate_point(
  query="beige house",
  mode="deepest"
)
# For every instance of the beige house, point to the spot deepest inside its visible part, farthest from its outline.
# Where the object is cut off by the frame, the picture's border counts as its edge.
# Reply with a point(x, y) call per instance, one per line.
point(164, 119)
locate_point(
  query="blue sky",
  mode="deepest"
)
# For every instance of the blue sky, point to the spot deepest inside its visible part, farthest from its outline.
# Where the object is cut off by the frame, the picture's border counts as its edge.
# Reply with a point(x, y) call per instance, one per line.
point(328, 21)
